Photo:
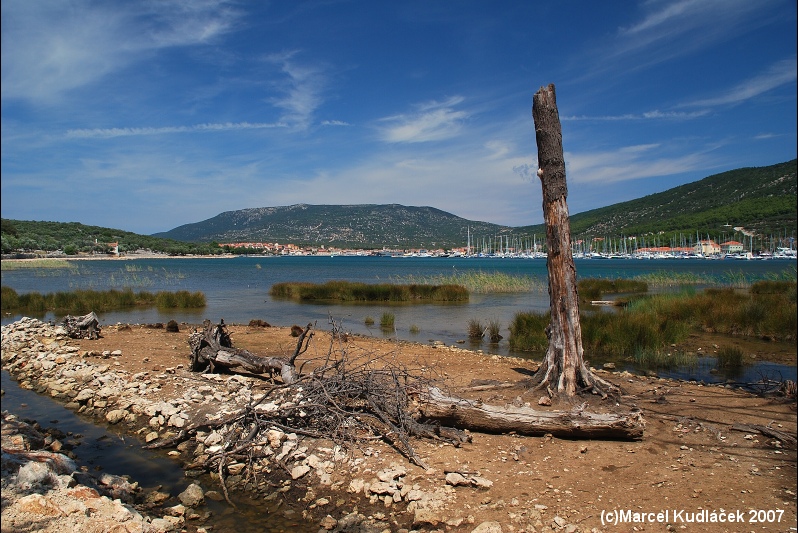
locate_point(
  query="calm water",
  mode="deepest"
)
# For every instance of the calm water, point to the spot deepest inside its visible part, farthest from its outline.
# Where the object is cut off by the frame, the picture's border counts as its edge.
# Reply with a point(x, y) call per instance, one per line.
point(237, 289)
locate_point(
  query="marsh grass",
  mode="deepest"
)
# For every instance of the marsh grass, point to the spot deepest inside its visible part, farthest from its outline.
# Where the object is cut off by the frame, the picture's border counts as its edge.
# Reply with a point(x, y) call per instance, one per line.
point(650, 324)
point(494, 331)
point(475, 329)
point(480, 282)
point(730, 279)
point(37, 263)
point(387, 320)
point(83, 301)
point(414, 329)
point(528, 331)
point(348, 291)
point(369, 321)
point(594, 288)
point(653, 359)
point(730, 357)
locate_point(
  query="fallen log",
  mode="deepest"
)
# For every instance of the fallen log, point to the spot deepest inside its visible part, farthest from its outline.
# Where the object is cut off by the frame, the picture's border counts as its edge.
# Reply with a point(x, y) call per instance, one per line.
point(476, 416)
point(212, 348)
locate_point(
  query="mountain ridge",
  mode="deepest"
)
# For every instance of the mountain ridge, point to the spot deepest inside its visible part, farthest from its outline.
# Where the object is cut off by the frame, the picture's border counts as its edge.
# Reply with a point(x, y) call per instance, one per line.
point(762, 199)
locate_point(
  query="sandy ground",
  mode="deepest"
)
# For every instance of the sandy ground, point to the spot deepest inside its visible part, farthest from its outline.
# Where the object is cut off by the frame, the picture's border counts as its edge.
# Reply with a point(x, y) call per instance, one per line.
point(690, 472)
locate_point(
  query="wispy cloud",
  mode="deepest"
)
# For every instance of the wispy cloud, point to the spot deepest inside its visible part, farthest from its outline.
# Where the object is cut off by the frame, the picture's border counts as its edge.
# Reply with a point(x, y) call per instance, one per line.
point(666, 30)
point(433, 121)
point(631, 163)
point(778, 74)
point(649, 115)
point(50, 47)
point(334, 123)
point(107, 133)
point(302, 89)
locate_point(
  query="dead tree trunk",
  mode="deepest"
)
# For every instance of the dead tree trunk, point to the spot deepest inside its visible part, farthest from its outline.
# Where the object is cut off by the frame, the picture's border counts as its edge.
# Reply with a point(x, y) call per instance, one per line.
point(476, 416)
point(212, 348)
point(563, 370)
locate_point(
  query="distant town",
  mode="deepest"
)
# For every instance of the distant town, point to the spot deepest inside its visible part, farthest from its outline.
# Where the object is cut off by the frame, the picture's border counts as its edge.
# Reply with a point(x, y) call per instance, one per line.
point(596, 249)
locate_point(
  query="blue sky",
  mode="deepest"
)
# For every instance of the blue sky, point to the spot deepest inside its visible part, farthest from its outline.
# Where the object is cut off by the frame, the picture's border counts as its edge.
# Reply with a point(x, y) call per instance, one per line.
point(147, 115)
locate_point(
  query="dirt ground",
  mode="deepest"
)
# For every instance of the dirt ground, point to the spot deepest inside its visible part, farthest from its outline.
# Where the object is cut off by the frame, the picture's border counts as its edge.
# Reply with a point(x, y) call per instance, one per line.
point(689, 464)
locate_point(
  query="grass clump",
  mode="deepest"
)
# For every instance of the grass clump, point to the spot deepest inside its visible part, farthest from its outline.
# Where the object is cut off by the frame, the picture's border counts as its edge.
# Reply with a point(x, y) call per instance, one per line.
point(528, 331)
point(83, 301)
point(475, 329)
point(494, 331)
point(480, 282)
point(661, 359)
point(369, 321)
point(414, 329)
point(348, 291)
point(594, 288)
point(730, 357)
point(387, 320)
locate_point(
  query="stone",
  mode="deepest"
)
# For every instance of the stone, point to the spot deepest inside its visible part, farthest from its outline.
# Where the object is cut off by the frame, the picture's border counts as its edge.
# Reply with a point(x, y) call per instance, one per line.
point(455, 479)
point(488, 527)
point(193, 496)
point(115, 416)
point(299, 471)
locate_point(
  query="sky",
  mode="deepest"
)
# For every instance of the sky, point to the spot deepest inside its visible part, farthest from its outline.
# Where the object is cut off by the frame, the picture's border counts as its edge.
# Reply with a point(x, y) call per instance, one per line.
point(147, 115)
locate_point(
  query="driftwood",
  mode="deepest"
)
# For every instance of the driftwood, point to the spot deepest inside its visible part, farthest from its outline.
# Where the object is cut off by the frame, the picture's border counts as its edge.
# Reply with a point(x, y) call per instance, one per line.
point(788, 440)
point(391, 401)
point(213, 349)
point(82, 327)
point(476, 416)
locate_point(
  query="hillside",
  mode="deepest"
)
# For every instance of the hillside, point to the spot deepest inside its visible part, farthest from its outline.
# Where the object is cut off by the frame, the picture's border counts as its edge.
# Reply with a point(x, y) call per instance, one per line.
point(354, 226)
point(762, 200)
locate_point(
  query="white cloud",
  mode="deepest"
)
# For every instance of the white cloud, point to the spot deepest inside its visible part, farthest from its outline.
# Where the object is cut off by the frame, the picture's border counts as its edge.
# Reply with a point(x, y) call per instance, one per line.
point(778, 74)
point(107, 133)
point(50, 47)
point(434, 121)
point(301, 90)
point(648, 115)
point(630, 163)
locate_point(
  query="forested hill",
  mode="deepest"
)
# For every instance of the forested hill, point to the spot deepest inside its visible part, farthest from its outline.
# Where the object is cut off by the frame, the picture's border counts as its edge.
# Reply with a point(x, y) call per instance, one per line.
point(760, 199)
point(354, 226)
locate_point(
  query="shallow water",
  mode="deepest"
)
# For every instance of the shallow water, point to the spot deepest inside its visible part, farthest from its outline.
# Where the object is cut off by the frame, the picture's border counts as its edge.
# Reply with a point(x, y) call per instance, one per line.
point(107, 449)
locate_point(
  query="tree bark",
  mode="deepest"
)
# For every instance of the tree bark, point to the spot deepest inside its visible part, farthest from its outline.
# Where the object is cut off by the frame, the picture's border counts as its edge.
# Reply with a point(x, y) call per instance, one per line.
point(476, 416)
point(563, 370)
point(213, 348)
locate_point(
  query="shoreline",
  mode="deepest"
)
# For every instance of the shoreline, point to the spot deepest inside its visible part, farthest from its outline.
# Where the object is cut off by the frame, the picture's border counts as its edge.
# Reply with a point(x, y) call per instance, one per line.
point(135, 377)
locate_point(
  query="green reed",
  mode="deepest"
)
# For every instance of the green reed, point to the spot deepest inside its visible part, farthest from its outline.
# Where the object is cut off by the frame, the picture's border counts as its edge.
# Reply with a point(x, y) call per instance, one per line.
point(481, 282)
point(36, 263)
point(650, 324)
point(387, 320)
point(348, 291)
point(83, 301)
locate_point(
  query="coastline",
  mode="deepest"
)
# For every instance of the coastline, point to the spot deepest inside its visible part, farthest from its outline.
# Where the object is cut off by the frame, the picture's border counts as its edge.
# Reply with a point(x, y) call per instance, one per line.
point(135, 377)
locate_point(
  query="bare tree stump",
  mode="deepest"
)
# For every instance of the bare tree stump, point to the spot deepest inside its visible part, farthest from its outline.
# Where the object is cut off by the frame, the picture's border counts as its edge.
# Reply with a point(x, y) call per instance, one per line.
point(563, 370)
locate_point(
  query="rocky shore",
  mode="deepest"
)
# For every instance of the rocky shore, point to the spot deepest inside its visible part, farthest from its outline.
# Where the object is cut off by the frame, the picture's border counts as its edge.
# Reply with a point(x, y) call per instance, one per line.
point(134, 377)
point(44, 487)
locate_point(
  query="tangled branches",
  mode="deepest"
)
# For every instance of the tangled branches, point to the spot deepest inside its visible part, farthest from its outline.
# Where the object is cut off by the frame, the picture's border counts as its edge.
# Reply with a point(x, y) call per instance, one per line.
point(344, 399)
